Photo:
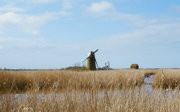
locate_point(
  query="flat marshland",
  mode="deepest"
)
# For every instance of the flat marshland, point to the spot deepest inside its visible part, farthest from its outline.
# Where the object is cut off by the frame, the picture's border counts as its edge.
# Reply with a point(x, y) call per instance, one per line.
point(58, 80)
point(87, 91)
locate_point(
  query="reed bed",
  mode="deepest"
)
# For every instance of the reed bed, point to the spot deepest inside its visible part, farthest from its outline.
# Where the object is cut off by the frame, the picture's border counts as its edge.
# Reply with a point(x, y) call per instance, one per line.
point(88, 91)
point(62, 79)
point(131, 100)
point(148, 73)
point(167, 78)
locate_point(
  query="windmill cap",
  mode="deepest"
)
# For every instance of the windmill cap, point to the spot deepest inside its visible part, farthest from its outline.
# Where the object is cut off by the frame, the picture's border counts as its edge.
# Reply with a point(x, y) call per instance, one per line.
point(90, 53)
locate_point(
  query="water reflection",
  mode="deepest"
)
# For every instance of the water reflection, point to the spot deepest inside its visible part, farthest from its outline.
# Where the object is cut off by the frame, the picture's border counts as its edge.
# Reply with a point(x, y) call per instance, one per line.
point(149, 79)
point(148, 83)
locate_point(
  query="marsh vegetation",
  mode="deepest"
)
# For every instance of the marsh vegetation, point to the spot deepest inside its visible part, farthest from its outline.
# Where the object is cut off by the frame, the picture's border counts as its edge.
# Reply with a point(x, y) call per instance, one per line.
point(87, 91)
point(63, 79)
point(167, 79)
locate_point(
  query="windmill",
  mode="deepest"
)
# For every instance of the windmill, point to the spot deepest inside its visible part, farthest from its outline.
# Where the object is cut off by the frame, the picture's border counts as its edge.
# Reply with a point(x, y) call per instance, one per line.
point(91, 61)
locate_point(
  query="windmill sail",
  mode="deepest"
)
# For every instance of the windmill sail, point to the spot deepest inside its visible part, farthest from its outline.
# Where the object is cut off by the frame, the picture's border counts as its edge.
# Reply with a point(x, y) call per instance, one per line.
point(91, 61)
point(89, 55)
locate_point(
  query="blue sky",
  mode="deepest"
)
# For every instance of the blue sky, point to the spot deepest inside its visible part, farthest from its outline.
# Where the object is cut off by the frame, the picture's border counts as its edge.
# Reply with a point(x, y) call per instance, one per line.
point(60, 33)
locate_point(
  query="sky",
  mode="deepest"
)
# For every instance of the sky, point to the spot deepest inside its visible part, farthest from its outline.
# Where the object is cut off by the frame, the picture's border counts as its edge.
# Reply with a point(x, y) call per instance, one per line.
point(52, 34)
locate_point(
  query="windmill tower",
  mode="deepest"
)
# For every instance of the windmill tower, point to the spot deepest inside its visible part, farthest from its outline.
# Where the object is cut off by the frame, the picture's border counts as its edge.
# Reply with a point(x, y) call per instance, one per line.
point(91, 61)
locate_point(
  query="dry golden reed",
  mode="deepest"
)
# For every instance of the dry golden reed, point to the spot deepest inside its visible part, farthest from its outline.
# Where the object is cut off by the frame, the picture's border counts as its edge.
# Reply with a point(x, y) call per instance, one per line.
point(99, 91)
point(56, 80)
point(131, 100)
point(167, 78)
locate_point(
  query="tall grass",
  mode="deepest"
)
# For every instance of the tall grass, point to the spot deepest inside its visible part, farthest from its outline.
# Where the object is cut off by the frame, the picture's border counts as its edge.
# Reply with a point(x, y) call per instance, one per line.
point(167, 78)
point(131, 100)
point(56, 80)
point(91, 91)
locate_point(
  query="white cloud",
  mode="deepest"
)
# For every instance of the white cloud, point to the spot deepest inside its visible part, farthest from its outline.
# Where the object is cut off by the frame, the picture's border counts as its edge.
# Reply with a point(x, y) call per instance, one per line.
point(101, 7)
point(107, 9)
point(12, 17)
point(11, 8)
point(28, 23)
point(41, 1)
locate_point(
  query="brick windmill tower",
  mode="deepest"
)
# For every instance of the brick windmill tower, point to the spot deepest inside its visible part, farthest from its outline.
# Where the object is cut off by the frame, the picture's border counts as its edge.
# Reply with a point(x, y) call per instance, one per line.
point(91, 61)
